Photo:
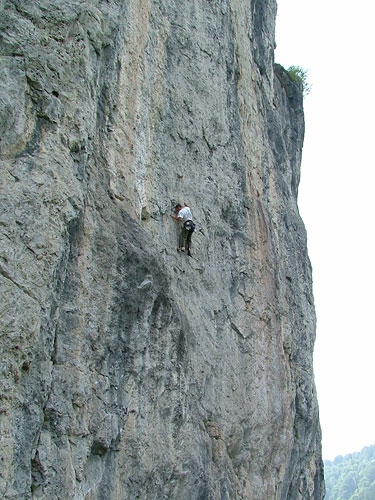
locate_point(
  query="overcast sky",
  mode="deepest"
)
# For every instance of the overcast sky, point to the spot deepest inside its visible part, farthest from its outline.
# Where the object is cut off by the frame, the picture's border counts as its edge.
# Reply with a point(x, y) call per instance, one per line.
point(333, 40)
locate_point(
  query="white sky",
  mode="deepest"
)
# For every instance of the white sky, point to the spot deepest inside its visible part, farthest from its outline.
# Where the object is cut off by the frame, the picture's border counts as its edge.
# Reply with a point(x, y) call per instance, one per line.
point(334, 41)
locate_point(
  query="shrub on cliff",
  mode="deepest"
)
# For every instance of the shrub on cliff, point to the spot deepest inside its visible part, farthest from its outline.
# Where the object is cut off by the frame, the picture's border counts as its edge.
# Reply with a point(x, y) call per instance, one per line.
point(299, 75)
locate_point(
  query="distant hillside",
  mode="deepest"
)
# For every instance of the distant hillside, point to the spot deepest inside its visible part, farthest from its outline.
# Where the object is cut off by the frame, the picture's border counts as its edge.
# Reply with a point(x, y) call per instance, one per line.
point(351, 477)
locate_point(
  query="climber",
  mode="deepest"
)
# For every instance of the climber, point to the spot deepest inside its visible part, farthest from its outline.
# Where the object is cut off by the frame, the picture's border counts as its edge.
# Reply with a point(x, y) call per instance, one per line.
point(183, 214)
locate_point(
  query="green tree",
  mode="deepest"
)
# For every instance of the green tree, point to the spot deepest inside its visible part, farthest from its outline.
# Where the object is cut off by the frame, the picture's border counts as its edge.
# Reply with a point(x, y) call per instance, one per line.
point(351, 477)
point(348, 486)
point(299, 76)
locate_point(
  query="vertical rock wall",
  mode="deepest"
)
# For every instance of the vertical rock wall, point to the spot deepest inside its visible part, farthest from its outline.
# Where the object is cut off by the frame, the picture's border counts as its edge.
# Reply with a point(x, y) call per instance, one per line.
point(129, 370)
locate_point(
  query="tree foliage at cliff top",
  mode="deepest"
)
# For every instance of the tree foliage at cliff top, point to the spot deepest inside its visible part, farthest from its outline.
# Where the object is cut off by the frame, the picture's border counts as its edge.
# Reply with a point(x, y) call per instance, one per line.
point(351, 477)
point(299, 75)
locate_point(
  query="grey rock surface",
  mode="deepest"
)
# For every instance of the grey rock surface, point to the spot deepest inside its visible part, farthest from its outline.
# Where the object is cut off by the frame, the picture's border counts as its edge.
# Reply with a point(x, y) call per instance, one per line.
point(129, 370)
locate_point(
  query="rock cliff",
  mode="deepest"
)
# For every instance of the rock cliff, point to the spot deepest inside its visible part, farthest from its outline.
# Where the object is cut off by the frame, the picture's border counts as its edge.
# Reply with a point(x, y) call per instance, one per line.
point(129, 370)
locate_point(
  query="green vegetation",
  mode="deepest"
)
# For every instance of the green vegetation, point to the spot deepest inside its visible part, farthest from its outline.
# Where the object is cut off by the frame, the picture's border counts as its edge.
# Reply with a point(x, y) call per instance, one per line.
point(299, 75)
point(351, 477)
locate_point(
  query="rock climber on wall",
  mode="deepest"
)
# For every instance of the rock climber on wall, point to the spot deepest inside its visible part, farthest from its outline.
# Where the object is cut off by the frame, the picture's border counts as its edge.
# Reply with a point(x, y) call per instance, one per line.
point(183, 214)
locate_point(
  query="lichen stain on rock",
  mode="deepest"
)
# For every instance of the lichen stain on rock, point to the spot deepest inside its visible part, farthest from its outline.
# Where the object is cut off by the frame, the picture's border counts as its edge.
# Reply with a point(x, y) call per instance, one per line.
point(130, 370)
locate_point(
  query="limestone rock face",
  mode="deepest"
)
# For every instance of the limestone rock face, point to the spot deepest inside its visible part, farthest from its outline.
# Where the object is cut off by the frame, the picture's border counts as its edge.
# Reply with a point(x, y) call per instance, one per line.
point(129, 370)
